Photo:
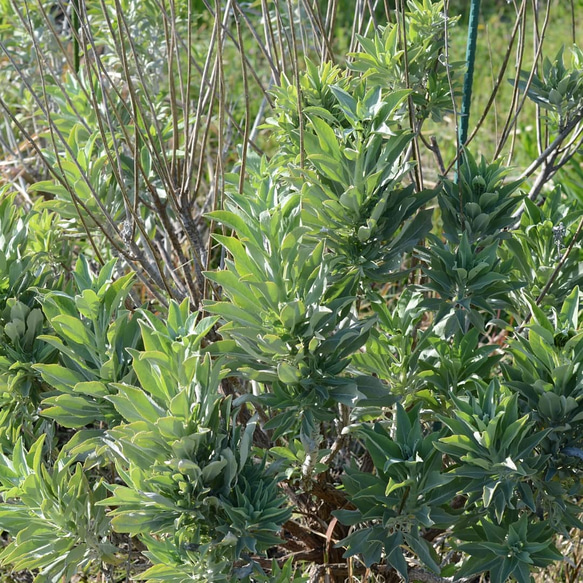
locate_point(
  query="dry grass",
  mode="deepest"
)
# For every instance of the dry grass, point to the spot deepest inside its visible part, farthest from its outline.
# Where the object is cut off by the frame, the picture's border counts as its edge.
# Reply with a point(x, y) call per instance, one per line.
point(571, 569)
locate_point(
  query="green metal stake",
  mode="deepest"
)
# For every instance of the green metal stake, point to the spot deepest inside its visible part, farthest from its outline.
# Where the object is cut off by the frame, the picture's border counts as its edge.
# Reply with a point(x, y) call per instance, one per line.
point(469, 76)
point(75, 32)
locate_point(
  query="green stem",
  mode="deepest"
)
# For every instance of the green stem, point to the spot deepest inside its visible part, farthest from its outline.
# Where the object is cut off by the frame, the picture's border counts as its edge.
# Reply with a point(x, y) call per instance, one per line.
point(469, 76)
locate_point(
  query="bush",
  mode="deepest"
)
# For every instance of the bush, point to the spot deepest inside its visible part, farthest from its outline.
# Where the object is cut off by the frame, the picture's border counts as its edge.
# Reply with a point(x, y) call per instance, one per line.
point(301, 359)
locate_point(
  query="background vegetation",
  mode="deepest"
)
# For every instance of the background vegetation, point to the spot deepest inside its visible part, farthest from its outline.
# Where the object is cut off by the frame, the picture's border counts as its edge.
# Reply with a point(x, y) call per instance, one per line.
point(264, 318)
